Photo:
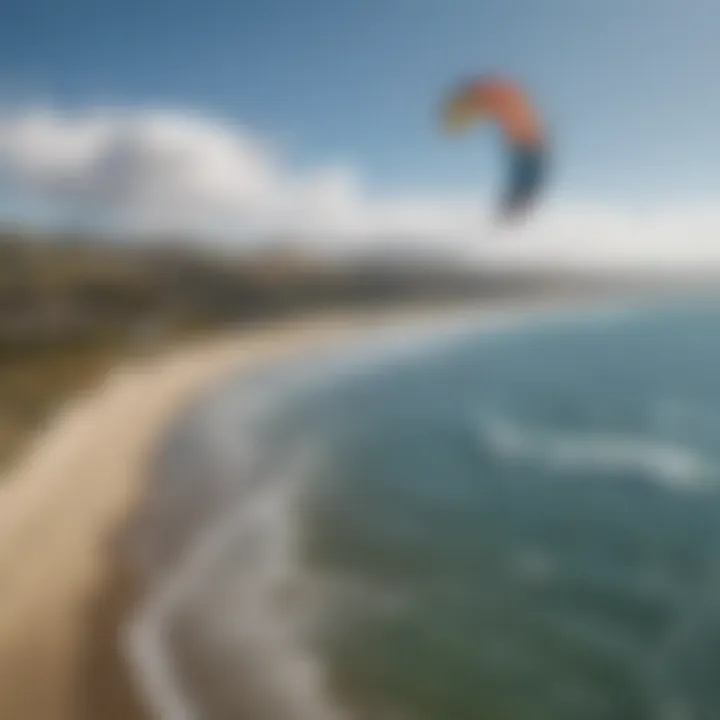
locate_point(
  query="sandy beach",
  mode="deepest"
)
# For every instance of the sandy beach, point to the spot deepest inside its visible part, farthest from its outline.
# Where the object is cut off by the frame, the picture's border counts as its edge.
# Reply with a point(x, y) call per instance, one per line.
point(64, 589)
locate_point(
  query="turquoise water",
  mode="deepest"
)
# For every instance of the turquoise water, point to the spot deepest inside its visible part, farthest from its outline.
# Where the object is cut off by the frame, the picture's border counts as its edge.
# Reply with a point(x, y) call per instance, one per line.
point(524, 525)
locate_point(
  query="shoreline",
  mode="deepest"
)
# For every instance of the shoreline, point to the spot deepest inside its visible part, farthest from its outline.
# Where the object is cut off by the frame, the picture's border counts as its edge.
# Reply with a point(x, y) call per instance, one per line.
point(66, 587)
point(59, 620)
point(156, 674)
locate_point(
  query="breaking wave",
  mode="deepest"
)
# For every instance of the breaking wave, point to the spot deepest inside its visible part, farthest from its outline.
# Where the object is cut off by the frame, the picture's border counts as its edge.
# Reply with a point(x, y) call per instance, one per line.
point(671, 464)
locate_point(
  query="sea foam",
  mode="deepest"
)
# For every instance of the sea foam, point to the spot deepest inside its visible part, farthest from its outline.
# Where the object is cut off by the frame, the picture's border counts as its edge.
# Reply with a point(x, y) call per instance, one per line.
point(563, 450)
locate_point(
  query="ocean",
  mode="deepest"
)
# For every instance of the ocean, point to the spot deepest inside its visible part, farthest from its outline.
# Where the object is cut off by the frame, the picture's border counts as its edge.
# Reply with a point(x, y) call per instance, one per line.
point(505, 521)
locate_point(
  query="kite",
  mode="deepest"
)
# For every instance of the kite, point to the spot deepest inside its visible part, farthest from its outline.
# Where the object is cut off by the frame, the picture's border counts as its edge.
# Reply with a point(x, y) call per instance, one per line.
point(509, 106)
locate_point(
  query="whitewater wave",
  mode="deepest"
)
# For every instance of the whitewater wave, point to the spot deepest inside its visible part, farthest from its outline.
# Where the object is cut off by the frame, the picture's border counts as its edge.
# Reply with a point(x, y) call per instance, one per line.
point(671, 464)
point(252, 622)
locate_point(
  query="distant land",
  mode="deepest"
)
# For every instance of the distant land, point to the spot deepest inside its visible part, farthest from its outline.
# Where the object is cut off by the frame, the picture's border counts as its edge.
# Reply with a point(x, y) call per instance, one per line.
point(73, 304)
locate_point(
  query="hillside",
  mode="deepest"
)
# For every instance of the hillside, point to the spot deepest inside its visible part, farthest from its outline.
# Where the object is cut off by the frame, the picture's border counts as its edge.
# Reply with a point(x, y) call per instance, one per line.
point(71, 305)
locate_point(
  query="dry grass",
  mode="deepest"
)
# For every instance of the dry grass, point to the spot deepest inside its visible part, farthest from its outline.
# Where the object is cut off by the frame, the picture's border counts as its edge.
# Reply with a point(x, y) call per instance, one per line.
point(35, 382)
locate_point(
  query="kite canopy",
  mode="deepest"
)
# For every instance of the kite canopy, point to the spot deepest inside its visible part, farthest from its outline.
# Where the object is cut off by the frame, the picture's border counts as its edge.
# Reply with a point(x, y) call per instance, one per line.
point(505, 103)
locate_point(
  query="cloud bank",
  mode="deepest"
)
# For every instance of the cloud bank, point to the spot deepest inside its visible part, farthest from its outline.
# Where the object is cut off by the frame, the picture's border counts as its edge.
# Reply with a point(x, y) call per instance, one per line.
point(152, 171)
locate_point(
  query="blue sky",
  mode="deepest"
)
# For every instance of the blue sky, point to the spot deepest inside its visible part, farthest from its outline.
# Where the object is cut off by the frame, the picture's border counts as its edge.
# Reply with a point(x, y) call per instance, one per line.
point(630, 87)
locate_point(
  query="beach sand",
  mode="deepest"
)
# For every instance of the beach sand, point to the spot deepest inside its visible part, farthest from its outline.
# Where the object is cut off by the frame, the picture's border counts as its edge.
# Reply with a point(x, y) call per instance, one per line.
point(64, 588)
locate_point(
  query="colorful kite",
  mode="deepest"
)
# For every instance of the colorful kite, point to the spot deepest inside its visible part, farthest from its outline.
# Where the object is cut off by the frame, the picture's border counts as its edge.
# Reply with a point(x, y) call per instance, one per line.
point(504, 102)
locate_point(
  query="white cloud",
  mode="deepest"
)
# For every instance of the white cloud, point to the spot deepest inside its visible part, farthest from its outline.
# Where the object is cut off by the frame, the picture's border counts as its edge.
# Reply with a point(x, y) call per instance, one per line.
point(175, 171)
point(154, 170)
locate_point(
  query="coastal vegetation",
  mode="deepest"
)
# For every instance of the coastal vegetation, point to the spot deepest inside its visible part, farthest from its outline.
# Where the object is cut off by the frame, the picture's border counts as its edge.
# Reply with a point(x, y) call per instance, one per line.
point(72, 305)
